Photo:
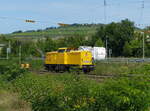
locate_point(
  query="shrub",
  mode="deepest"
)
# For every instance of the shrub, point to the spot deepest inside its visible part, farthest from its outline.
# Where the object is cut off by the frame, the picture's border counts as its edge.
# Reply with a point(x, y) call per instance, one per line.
point(74, 93)
point(3, 69)
point(11, 72)
point(124, 95)
point(53, 92)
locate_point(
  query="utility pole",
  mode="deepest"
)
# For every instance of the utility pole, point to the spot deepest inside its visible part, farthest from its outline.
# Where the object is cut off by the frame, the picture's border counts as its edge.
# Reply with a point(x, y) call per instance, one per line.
point(143, 4)
point(20, 54)
point(106, 43)
point(143, 45)
point(142, 10)
point(105, 21)
point(8, 50)
point(7, 56)
point(105, 11)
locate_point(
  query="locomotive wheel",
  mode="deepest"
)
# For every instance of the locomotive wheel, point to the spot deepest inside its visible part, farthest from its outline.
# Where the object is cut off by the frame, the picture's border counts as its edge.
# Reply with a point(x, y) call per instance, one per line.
point(68, 69)
point(57, 68)
point(86, 70)
point(60, 68)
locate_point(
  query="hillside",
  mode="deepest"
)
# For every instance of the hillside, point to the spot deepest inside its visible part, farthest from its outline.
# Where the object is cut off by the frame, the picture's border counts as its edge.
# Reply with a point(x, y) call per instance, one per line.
point(62, 31)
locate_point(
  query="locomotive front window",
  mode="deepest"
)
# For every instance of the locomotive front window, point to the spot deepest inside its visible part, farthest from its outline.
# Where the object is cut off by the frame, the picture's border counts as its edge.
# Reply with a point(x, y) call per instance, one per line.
point(61, 50)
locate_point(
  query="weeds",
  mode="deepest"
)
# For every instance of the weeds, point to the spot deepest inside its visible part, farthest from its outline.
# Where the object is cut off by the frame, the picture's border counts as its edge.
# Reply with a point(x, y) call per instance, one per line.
point(71, 93)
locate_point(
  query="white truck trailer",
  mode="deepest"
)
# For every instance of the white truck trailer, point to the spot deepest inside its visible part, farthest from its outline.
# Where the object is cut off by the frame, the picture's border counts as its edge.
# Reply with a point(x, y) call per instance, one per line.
point(98, 53)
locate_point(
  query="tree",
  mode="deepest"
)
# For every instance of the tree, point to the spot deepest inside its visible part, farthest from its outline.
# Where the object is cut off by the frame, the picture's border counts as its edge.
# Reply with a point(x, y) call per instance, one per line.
point(136, 48)
point(99, 43)
point(46, 45)
point(117, 34)
point(127, 51)
point(50, 45)
point(19, 31)
point(99, 35)
point(75, 41)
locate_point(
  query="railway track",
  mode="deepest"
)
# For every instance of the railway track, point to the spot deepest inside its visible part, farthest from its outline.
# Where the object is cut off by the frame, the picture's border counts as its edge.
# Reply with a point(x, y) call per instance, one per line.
point(94, 76)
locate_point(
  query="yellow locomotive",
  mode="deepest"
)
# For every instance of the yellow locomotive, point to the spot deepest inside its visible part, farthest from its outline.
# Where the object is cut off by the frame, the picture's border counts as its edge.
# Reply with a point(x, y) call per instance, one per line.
point(66, 58)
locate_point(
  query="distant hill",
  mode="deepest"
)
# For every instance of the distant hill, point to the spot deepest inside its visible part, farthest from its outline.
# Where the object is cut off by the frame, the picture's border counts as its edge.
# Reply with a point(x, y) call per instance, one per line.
point(56, 32)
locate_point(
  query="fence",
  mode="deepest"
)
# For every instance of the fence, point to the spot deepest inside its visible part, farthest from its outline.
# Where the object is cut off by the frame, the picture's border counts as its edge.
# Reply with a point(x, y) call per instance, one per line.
point(126, 60)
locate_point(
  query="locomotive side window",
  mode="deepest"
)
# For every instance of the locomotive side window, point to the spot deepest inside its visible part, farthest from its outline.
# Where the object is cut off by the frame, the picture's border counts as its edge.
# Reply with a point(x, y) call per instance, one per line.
point(61, 50)
point(68, 50)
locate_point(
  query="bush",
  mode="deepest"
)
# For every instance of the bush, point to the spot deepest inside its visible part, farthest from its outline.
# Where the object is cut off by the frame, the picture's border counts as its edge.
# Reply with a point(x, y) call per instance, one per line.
point(11, 72)
point(52, 92)
point(74, 93)
point(3, 69)
point(124, 95)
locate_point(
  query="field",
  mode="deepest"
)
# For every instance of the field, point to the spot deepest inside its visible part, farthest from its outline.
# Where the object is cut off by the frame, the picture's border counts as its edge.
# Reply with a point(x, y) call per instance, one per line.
point(58, 32)
point(28, 90)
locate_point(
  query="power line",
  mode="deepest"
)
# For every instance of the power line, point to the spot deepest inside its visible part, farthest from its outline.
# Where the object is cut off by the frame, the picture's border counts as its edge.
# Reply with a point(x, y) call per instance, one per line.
point(143, 4)
point(142, 11)
point(105, 4)
point(105, 11)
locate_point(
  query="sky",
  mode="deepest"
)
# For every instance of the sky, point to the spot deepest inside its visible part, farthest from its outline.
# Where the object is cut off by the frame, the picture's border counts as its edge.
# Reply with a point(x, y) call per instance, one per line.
point(50, 12)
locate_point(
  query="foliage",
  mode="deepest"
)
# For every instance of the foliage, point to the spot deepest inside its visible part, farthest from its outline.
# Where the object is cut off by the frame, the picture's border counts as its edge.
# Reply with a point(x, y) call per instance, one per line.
point(75, 41)
point(69, 92)
point(125, 95)
point(19, 31)
point(74, 93)
point(127, 49)
point(46, 45)
point(11, 72)
point(117, 34)
point(122, 37)
point(52, 93)
point(99, 43)
point(134, 47)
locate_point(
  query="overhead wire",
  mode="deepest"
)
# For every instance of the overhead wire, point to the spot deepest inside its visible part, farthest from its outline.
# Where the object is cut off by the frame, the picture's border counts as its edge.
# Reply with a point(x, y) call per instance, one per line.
point(142, 12)
point(105, 4)
point(105, 12)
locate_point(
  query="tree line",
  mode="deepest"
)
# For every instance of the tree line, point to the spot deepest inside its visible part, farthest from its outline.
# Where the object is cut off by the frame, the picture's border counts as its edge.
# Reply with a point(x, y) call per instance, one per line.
point(122, 38)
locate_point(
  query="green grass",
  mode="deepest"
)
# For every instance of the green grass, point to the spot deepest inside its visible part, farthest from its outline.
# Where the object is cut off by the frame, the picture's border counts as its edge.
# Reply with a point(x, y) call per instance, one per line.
point(101, 68)
point(121, 68)
point(36, 64)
